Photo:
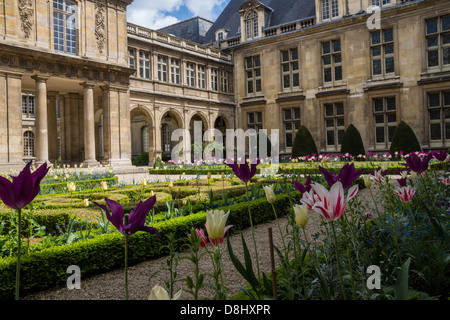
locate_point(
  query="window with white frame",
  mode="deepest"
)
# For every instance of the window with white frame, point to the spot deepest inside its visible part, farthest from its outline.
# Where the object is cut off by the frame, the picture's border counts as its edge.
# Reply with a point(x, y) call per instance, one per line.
point(291, 121)
point(330, 9)
point(28, 105)
point(255, 120)
point(145, 138)
point(382, 52)
point(224, 81)
point(438, 42)
point(380, 3)
point(251, 25)
point(385, 117)
point(334, 124)
point(290, 69)
point(190, 74)
point(214, 79)
point(64, 26)
point(439, 117)
point(201, 74)
point(132, 59)
point(175, 71)
point(162, 68)
point(165, 137)
point(144, 65)
point(332, 61)
point(253, 74)
point(28, 144)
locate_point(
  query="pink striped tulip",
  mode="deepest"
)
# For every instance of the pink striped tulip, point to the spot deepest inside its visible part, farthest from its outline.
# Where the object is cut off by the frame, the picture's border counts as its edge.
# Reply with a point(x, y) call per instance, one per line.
point(405, 193)
point(331, 204)
point(446, 181)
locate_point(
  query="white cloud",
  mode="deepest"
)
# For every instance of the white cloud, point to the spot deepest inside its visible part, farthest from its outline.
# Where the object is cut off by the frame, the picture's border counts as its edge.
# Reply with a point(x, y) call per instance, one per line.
point(204, 8)
point(156, 14)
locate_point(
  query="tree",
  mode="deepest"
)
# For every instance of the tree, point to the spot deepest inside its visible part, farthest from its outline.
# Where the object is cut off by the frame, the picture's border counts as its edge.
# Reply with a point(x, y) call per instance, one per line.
point(352, 142)
point(404, 139)
point(303, 143)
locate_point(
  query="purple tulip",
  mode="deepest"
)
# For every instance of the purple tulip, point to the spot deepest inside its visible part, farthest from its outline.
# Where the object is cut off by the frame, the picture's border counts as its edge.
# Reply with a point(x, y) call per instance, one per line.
point(136, 219)
point(19, 192)
point(440, 155)
point(243, 171)
point(346, 175)
point(416, 163)
point(303, 188)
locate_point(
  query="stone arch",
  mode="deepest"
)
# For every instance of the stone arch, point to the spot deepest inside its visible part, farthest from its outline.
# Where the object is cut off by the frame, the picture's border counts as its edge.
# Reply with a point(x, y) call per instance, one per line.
point(142, 133)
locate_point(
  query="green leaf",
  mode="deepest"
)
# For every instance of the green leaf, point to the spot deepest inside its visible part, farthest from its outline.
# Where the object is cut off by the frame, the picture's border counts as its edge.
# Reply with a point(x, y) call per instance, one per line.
point(401, 285)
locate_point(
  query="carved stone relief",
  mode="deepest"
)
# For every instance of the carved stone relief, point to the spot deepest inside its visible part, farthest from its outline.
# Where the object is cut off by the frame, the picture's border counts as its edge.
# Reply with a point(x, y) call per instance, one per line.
point(26, 14)
point(100, 26)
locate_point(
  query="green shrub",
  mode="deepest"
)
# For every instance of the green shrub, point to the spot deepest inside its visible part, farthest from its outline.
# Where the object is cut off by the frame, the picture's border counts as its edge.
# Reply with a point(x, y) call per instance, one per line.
point(141, 160)
point(404, 139)
point(352, 142)
point(303, 143)
point(61, 187)
point(44, 269)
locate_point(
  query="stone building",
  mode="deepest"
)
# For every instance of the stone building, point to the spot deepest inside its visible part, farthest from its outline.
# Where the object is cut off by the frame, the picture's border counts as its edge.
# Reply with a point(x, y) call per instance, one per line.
point(327, 64)
point(81, 84)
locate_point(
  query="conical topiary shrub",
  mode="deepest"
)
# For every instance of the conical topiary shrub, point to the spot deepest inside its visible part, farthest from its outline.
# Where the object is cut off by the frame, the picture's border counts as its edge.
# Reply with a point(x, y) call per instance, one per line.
point(304, 144)
point(404, 139)
point(352, 142)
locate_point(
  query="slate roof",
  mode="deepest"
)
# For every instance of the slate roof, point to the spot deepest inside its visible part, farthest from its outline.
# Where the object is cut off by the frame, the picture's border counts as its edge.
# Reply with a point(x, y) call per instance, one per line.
point(284, 11)
point(193, 29)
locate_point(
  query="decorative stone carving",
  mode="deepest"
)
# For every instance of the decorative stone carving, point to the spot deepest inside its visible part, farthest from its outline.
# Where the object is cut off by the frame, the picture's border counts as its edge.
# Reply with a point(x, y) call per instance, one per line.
point(100, 26)
point(26, 14)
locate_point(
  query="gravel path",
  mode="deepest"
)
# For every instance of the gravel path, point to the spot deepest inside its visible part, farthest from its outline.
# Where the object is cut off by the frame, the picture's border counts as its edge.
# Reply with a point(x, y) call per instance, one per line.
point(110, 286)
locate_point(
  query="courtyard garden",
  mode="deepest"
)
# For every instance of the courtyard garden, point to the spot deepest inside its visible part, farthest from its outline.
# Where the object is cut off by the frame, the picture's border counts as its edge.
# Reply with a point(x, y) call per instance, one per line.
point(382, 231)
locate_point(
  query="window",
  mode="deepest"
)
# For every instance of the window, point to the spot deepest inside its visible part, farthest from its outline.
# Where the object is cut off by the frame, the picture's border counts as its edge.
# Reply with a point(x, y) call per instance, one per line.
point(201, 73)
point(334, 124)
point(220, 37)
point(326, 5)
point(190, 74)
point(162, 68)
point(291, 120)
point(28, 144)
point(224, 81)
point(377, 3)
point(175, 71)
point(64, 26)
point(251, 24)
point(332, 61)
point(438, 42)
point(253, 74)
point(254, 120)
point(165, 137)
point(132, 59)
point(28, 105)
point(385, 116)
point(145, 139)
point(214, 79)
point(290, 69)
point(144, 65)
point(382, 52)
point(439, 117)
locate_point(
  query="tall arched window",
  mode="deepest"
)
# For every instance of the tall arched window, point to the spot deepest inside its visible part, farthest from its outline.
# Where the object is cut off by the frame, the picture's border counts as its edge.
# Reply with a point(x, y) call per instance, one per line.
point(251, 23)
point(28, 144)
point(64, 26)
point(145, 139)
point(165, 137)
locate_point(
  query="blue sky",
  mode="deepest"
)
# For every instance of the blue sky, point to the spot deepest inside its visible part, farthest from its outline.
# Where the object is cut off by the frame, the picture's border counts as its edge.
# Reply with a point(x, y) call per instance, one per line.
point(156, 14)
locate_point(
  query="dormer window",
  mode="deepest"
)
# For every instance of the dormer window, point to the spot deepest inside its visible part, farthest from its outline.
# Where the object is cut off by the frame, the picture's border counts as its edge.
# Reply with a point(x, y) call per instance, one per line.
point(330, 9)
point(251, 23)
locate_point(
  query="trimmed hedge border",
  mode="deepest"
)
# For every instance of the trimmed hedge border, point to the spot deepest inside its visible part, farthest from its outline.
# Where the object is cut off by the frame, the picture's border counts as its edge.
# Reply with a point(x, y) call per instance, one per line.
point(61, 187)
point(47, 268)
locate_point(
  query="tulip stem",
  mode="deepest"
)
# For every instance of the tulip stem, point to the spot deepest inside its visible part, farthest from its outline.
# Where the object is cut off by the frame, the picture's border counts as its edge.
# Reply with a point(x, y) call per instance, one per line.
point(126, 267)
point(19, 245)
point(279, 228)
point(338, 261)
point(253, 231)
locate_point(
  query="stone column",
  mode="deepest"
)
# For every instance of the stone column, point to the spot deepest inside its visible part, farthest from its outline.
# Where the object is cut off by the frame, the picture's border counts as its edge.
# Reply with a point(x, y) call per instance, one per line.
point(41, 119)
point(89, 124)
point(52, 127)
point(157, 134)
point(62, 126)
